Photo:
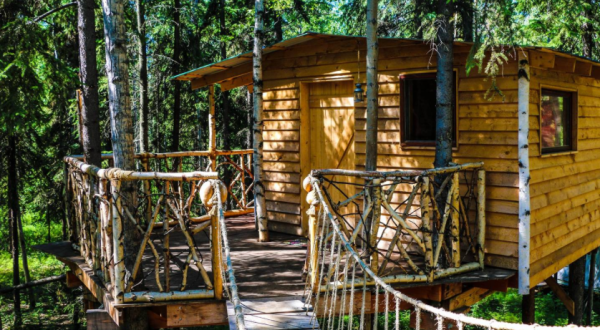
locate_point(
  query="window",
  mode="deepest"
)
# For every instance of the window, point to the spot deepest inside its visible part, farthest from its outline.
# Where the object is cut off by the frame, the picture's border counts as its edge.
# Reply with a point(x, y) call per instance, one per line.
point(417, 109)
point(558, 120)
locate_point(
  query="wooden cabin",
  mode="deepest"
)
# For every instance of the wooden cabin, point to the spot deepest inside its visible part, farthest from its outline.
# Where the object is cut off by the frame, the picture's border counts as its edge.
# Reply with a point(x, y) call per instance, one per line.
point(312, 121)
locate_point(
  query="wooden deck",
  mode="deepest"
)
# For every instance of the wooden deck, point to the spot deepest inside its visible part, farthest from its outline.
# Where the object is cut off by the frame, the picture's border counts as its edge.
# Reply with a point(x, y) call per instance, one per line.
point(269, 275)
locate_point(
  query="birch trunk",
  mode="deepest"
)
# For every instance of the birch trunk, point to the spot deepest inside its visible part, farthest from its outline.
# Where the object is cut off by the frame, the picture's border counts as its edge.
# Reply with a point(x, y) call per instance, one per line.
point(89, 79)
point(176, 65)
point(14, 212)
point(259, 189)
point(524, 200)
point(143, 73)
point(121, 121)
point(372, 85)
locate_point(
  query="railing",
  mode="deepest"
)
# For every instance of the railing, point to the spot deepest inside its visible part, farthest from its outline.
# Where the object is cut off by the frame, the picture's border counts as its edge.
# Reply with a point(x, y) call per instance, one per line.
point(234, 165)
point(110, 208)
point(339, 268)
point(414, 226)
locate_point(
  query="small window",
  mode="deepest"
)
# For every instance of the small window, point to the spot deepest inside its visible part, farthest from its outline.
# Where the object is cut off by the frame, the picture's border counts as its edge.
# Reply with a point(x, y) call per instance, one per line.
point(418, 107)
point(558, 121)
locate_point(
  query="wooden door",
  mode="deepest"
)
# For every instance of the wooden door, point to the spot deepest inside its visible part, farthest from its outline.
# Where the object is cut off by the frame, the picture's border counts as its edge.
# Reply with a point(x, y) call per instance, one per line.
point(331, 107)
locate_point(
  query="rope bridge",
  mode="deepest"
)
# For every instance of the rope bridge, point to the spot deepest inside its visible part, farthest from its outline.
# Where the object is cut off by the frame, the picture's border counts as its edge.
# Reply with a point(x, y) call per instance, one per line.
point(432, 226)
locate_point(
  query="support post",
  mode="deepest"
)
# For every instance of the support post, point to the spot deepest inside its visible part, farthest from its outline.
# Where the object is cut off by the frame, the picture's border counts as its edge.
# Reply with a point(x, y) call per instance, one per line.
point(426, 217)
point(528, 308)
point(217, 261)
point(117, 243)
point(577, 289)
point(212, 129)
point(260, 210)
point(313, 227)
point(455, 224)
point(166, 251)
point(375, 218)
point(524, 177)
point(591, 280)
point(481, 216)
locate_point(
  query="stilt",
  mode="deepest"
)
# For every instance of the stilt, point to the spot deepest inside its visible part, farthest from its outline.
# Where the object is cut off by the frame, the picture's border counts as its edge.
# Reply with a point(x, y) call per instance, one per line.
point(528, 307)
point(577, 289)
point(591, 280)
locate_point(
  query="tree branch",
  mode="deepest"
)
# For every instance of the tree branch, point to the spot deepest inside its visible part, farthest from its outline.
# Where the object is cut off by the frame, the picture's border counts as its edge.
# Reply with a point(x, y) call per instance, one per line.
point(41, 17)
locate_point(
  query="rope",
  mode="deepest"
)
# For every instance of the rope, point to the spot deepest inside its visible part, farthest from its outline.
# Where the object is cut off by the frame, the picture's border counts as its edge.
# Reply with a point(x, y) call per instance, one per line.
point(438, 313)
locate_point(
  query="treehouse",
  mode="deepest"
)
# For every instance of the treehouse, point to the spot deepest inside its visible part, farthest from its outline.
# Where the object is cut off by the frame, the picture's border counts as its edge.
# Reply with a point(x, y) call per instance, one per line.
point(521, 199)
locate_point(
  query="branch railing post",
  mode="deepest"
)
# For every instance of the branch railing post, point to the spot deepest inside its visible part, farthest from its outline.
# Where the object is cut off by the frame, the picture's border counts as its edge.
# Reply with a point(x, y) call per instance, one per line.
point(427, 232)
point(481, 216)
point(217, 259)
point(375, 219)
point(117, 242)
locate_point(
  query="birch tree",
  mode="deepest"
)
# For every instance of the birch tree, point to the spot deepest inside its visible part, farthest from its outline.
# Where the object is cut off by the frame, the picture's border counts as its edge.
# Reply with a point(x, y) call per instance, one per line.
point(143, 74)
point(176, 66)
point(121, 123)
point(260, 209)
point(372, 85)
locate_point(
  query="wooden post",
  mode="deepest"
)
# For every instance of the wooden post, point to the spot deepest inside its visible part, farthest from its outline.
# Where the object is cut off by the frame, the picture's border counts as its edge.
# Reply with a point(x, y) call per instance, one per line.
point(455, 225)
point(117, 242)
point(528, 308)
point(104, 231)
point(217, 260)
point(375, 218)
point(167, 253)
point(591, 280)
point(426, 217)
point(481, 216)
point(577, 289)
point(524, 177)
point(243, 180)
point(212, 129)
point(313, 222)
point(260, 210)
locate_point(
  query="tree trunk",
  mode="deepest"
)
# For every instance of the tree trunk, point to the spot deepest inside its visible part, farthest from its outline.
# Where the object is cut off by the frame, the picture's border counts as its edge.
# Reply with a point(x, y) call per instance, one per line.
point(92, 148)
point(278, 28)
point(260, 210)
point(528, 308)
point(588, 30)
point(176, 66)
point(590, 292)
point(14, 212)
point(121, 120)
point(143, 73)
point(420, 8)
point(225, 95)
point(466, 13)
point(372, 85)
point(445, 86)
point(25, 263)
point(577, 289)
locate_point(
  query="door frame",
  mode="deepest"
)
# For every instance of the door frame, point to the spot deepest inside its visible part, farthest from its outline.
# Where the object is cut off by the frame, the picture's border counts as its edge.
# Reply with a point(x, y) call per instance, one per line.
point(305, 140)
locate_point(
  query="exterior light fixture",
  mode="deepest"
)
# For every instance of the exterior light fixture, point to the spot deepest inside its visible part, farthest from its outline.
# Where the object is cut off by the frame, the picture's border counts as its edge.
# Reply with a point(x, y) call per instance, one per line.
point(358, 94)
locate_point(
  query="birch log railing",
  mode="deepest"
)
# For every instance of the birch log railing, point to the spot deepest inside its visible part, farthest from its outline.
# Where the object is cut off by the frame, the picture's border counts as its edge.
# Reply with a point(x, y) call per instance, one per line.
point(236, 163)
point(346, 258)
point(102, 202)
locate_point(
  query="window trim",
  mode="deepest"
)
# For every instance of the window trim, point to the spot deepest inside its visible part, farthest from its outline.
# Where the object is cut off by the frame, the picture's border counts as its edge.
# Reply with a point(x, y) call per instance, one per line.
point(420, 144)
point(573, 121)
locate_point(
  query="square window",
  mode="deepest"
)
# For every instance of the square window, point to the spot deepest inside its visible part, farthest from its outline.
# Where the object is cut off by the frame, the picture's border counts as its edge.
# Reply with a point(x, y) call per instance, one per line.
point(418, 108)
point(558, 120)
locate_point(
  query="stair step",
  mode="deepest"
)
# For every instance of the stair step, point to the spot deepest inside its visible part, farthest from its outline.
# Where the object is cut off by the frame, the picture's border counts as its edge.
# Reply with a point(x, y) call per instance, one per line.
point(274, 313)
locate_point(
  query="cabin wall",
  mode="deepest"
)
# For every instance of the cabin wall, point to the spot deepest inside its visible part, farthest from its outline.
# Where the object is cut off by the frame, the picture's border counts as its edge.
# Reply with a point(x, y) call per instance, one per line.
point(565, 188)
point(487, 129)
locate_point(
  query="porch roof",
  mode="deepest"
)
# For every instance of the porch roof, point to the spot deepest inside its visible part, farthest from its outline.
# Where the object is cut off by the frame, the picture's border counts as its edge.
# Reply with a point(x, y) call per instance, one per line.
point(235, 71)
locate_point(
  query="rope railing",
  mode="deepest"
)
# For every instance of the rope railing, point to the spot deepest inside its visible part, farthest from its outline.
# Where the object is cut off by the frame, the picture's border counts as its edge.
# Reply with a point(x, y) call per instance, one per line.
point(341, 267)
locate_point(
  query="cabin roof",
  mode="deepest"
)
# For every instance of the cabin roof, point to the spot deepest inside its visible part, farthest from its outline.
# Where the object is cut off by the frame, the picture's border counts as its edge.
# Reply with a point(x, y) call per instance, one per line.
point(241, 64)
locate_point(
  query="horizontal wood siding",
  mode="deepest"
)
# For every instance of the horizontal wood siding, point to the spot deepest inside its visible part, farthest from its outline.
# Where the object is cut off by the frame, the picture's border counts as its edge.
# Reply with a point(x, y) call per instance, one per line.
point(565, 189)
point(487, 128)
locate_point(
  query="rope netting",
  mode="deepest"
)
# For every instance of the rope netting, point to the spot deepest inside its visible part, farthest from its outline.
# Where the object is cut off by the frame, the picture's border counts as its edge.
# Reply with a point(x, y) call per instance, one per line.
point(342, 280)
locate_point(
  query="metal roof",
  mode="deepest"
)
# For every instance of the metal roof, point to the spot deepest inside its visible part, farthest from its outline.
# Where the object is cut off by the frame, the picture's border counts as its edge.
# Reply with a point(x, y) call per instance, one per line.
point(246, 58)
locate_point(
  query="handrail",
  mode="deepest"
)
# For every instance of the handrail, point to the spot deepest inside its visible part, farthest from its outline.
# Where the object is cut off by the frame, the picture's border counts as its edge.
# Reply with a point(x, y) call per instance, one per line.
point(119, 174)
point(418, 305)
point(394, 174)
point(176, 154)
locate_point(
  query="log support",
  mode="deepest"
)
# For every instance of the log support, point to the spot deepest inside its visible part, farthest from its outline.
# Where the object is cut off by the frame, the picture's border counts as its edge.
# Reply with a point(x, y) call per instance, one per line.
point(528, 308)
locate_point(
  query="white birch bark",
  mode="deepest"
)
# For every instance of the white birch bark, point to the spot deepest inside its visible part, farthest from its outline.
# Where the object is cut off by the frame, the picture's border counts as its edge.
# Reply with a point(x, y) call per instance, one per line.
point(259, 189)
point(524, 200)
